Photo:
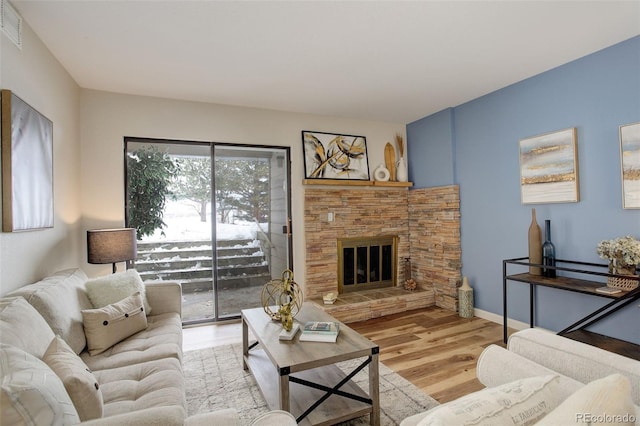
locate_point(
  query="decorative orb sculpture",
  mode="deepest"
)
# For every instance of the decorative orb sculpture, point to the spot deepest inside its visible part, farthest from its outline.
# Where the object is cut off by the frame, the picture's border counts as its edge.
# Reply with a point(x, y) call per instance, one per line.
point(286, 295)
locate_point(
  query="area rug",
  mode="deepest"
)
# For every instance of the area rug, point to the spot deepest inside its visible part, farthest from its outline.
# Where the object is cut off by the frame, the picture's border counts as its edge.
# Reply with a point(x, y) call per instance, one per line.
point(214, 380)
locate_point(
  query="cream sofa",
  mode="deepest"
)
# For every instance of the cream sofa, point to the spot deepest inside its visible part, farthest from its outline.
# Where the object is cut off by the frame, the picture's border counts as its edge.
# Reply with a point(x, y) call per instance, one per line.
point(536, 360)
point(138, 381)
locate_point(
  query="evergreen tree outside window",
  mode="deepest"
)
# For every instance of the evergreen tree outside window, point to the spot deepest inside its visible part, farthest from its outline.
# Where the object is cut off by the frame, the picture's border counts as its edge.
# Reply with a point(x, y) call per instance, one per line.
point(149, 175)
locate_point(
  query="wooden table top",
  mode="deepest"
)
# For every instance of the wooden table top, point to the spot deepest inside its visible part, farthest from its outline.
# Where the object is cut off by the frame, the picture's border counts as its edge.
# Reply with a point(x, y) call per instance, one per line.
point(297, 355)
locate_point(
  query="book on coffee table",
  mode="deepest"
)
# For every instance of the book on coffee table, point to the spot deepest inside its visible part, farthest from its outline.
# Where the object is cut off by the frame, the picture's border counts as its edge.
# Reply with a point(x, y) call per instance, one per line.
point(321, 327)
point(320, 331)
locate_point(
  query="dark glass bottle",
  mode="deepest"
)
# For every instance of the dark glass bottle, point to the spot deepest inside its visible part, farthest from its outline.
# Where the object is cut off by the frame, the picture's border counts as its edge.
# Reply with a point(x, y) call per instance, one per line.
point(548, 252)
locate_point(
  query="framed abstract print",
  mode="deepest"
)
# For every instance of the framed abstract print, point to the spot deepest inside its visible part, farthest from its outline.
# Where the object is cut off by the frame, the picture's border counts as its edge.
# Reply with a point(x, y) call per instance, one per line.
point(549, 168)
point(630, 165)
point(334, 156)
point(27, 166)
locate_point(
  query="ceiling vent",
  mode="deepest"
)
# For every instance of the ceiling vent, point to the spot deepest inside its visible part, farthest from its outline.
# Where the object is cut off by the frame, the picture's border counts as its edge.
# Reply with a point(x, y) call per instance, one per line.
point(11, 23)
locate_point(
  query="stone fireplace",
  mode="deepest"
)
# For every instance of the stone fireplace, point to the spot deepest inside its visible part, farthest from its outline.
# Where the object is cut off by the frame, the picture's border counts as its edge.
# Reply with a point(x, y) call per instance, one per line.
point(425, 223)
point(357, 213)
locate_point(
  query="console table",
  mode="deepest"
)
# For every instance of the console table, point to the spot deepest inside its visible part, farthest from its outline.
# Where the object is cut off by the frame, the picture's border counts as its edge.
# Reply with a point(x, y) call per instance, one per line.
point(575, 283)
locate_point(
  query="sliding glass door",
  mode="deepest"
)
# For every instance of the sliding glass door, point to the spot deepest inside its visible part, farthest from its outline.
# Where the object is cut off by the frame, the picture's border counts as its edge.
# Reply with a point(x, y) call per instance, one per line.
point(212, 217)
point(251, 232)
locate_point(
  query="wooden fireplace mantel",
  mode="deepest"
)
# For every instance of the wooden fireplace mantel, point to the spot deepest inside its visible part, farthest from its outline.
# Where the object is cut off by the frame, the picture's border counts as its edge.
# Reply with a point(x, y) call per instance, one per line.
point(345, 182)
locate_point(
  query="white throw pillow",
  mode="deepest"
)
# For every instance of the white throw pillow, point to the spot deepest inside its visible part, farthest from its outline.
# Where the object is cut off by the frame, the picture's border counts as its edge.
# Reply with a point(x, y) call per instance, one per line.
point(521, 402)
point(103, 291)
point(111, 324)
point(78, 380)
point(31, 393)
point(605, 401)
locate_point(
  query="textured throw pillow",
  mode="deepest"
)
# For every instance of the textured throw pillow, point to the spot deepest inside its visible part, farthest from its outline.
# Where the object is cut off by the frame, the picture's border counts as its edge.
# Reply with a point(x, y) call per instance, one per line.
point(17, 315)
point(605, 401)
point(103, 291)
point(107, 326)
point(31, 393)
point(78, 380)
point(522, 402)
point(60, 298)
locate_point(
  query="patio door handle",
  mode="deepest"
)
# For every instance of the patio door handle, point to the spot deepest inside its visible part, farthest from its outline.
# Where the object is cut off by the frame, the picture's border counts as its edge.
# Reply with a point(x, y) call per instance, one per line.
point(286, 229)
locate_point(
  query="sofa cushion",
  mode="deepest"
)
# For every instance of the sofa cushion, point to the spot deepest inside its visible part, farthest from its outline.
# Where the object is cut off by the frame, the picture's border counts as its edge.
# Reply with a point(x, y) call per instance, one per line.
point(173, 415)
point(60, 298)
point(497, 366)
point(227, 417)
point(31, 393)
point(16, 316)
point(605, 401)
point(164, 297)
point(525, 400)
point(78, 380)
point(103, 291)
point(161, 339)
point(580, 361)
point(111, 324)
point(275, 418)
point(135, 387)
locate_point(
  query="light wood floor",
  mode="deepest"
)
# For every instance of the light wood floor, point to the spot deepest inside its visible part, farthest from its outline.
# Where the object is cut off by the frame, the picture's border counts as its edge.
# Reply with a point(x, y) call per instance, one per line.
point(434, 349)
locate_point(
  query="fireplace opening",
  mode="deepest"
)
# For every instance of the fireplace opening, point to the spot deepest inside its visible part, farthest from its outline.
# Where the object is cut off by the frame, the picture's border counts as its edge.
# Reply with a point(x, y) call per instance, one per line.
point(366, 263)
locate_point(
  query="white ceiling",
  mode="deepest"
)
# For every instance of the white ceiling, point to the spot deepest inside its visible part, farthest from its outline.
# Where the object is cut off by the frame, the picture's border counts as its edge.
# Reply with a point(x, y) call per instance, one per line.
point(394, 61)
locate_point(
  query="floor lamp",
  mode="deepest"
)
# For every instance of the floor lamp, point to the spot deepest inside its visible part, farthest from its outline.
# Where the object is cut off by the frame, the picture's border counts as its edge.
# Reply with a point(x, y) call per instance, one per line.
point(111, 246)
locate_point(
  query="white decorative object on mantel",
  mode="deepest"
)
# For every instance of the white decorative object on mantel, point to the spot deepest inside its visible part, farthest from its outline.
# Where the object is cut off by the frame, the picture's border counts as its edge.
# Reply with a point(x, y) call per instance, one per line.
point(401, 170)
point(381, 174)
point(402, 174)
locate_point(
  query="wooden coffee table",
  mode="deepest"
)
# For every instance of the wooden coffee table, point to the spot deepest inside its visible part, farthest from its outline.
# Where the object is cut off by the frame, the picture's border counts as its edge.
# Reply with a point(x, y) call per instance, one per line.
point(302, 378)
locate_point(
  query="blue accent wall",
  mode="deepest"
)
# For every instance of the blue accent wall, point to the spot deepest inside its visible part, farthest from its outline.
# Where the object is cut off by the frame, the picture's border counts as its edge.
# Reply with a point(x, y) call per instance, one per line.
point(595, 94)
point(432, 150)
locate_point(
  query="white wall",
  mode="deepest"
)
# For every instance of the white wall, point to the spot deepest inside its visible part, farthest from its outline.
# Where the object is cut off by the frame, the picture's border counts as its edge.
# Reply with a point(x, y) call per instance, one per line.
point(89, 127)
point(106, 118)
point(38, 78)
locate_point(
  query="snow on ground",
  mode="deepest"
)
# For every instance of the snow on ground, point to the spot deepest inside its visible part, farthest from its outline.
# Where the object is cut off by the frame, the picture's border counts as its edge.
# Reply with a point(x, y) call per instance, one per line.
point(183, 224)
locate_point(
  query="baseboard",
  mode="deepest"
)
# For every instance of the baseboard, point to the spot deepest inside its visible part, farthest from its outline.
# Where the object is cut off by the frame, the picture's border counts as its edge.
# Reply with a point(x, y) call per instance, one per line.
point(490, 316)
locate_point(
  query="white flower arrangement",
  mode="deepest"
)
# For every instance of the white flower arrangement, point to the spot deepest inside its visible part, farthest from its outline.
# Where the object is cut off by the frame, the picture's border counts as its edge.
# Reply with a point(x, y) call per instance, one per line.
point(624, 251)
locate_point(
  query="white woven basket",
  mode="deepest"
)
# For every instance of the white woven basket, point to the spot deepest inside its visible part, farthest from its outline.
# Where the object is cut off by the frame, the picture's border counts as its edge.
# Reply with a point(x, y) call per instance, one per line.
point(626, 284)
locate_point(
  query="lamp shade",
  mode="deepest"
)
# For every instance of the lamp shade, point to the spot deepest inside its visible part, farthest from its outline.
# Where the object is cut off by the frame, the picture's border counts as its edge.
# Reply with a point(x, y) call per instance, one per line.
point(111, 245)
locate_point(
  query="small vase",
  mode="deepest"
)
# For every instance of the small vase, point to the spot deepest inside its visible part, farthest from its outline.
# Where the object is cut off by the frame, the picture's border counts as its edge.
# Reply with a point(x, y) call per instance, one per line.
point(548, 252)
point(535, 245)
point(401, 171)
point(381, 173)
point(465, 299)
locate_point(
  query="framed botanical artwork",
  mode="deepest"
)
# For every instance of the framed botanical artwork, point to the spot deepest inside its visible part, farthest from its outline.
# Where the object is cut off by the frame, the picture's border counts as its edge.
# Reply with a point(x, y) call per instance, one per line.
point(333, 156)
point(549, 168)
point(630, 165)
point(27, 166)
